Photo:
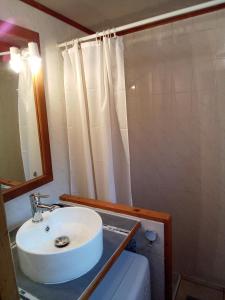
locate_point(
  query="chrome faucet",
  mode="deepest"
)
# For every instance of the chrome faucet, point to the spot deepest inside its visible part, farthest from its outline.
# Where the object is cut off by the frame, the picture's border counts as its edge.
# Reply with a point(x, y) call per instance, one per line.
point(37, 207)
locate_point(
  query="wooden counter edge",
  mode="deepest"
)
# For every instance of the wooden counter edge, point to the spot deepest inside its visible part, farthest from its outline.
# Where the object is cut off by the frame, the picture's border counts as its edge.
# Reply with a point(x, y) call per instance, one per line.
point(162, 217)
point(108, 265)
point(8, 287)
point(119, 208)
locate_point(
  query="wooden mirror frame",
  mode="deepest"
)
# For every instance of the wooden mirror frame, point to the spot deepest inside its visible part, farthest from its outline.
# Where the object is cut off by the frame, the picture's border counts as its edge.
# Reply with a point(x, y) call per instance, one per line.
point(8, 286)
point(12, 32)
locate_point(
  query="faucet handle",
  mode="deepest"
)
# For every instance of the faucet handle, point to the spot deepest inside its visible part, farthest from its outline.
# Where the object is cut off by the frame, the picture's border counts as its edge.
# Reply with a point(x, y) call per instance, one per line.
point(37, 196)
point(43, 196)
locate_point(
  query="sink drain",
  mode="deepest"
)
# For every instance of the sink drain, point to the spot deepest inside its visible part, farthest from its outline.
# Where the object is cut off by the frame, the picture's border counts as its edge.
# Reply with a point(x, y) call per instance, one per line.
point(62, 241)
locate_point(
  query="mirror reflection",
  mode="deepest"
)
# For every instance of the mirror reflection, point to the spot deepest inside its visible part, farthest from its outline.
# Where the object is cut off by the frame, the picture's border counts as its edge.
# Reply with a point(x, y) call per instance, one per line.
point(20, 157)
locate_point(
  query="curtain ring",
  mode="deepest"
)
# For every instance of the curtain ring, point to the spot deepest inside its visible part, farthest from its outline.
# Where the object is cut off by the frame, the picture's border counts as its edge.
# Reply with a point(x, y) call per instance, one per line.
point(114, 33)
point(103, 35)
point(108, 33)
point(66, 46)
point(98, 39)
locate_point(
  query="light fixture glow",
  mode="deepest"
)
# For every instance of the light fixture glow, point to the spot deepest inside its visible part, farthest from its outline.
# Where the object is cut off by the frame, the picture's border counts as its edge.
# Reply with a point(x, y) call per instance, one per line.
point(34, 57)
point(30, 54)
point(35, 64)
point(15, 59)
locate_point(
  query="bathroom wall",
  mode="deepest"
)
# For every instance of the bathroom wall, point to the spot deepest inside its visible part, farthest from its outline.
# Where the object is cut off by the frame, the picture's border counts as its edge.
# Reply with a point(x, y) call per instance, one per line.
point(176, 108)
point(51, 32)
point(176, 117)
point(11, 164)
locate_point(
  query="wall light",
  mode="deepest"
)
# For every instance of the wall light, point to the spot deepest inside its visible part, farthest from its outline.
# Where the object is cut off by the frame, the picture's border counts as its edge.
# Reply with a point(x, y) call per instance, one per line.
point(34, 57)
point(31, 54)
point(15, 59)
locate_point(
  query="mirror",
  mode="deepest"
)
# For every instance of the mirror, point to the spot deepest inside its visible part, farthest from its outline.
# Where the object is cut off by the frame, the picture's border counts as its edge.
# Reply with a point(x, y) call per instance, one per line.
point(25, 161)
point(20, 157)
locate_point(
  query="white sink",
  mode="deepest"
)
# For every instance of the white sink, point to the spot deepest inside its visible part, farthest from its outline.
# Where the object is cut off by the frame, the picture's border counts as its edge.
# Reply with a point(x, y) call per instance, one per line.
point(43, 262)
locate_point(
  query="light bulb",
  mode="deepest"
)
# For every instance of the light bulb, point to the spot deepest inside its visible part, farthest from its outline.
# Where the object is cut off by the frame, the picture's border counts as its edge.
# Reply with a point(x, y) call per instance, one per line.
point(34, 57)
point(35, 64)
point(15, 59)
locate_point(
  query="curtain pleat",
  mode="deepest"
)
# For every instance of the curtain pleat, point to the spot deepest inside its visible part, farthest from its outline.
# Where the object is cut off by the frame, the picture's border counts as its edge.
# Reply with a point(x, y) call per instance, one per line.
point(97, 120)
point(29, 137)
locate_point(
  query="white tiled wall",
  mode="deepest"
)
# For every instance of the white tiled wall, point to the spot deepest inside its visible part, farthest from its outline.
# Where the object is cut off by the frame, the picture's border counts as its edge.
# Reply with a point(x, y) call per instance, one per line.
point(176, 120)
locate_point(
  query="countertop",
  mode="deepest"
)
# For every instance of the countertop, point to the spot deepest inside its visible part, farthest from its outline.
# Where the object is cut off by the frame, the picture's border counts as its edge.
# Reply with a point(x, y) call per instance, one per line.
point(117, 232)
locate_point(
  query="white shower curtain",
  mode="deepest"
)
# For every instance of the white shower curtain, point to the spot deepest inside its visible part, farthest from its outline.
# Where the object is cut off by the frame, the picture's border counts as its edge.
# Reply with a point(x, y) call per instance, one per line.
point(97, 120)
point(29, 138)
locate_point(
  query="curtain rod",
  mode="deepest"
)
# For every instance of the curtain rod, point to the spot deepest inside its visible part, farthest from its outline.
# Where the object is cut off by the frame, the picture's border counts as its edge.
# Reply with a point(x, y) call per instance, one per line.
point(4, 53)
point(156, 19)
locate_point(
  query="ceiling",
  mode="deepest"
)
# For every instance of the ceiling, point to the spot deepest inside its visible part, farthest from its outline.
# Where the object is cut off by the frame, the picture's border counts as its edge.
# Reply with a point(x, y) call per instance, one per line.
point(102, 14)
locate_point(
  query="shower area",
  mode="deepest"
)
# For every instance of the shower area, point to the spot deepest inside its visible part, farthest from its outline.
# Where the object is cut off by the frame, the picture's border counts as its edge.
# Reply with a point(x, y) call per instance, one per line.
point(175, 87)
point(175, 108)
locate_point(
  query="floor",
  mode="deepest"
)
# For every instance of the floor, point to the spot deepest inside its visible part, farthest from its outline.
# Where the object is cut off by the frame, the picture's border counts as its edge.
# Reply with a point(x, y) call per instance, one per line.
point(197, 291)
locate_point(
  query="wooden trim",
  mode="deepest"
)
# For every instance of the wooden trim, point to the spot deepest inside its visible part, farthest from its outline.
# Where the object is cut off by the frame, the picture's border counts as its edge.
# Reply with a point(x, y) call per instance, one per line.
point(8, 287)
point(4, 46)
point(26, 35)
point(42, 120)
point(10, 182)
point(26, 187)
point(57, 15)
point(127, 31)
point(15, 31)
point(119, 208)
point(162, 217)
point(173, 19)
point(86, 295)
point(168, 259)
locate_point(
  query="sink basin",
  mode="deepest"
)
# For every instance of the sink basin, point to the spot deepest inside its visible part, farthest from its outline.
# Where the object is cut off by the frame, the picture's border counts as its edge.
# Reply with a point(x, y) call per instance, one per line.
point(64, 246)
